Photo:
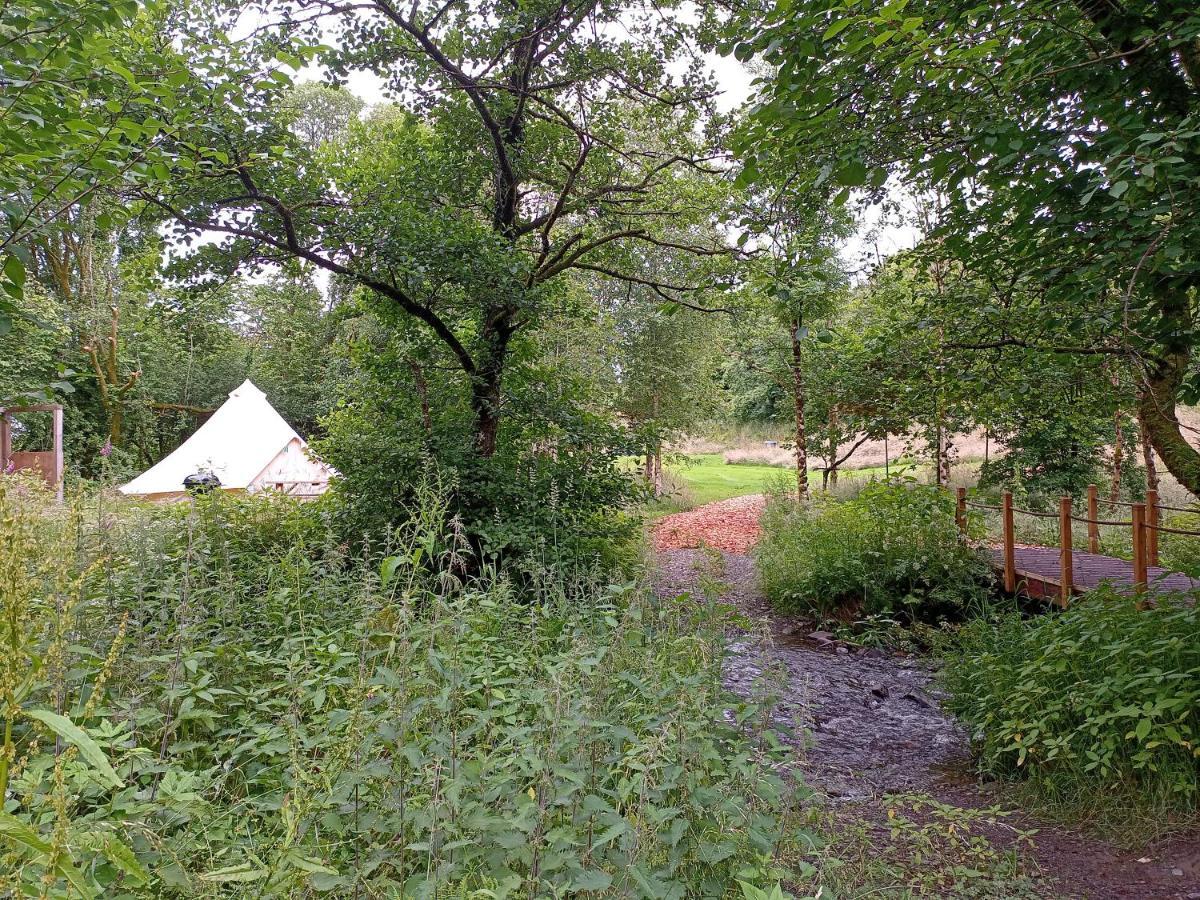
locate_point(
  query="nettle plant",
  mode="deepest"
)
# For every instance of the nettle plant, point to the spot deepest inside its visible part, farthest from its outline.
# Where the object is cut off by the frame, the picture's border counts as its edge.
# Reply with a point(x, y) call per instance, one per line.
point(307, 720)
point(894, 550)
point(47, 761)
point(1096, 705)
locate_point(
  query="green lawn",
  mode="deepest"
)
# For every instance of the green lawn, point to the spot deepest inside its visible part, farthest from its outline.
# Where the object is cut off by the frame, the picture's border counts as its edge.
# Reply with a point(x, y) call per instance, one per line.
point(709, 478)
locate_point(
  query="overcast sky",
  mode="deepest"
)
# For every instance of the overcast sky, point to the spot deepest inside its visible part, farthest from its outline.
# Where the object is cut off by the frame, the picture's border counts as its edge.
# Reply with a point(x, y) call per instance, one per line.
point(878, 236)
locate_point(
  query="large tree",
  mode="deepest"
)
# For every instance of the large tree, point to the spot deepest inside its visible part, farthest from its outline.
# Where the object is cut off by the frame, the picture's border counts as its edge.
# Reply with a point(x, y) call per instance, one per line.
point(84, 85)
point(1064, 137)
point(531, 140)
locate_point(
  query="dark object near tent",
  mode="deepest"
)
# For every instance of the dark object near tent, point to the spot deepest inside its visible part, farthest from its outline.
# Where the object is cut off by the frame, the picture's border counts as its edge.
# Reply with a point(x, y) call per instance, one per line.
point(201, 483)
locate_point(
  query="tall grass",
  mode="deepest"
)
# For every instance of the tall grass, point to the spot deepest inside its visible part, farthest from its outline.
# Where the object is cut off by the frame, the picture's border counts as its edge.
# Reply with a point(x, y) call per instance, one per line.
point(218, 698)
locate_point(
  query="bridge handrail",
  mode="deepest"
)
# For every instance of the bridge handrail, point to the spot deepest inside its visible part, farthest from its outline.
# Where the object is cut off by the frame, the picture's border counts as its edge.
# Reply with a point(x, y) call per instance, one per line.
point(1145, 523)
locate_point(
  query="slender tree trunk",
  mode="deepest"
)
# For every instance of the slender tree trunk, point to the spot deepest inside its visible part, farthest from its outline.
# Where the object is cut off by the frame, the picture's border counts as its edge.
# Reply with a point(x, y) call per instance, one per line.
point(422, 387)
point(945, 452)
point(835, 446)
point(798, 397)
point(1118, 457)
point(1148, 457)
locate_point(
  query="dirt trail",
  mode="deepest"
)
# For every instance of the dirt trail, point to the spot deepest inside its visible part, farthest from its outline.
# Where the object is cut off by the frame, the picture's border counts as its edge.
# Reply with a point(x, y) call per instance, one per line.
point(866, 723)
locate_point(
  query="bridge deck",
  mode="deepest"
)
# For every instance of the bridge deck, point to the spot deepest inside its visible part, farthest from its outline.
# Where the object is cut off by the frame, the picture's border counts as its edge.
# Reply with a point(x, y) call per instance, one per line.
point(1039, 569)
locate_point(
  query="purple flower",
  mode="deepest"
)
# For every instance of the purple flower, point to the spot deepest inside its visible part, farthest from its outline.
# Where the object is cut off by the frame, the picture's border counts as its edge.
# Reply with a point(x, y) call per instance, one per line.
point(106, 450)
point(10, 468)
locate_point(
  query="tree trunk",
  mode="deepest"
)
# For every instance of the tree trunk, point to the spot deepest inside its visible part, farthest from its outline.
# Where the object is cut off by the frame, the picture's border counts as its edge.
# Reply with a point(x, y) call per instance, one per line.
point(1162, 379)
point(1118, 458)
point(487, 382)
point(798, 401)
point(835, 446)
point(1148, 458)
point(945, 451)
point(422, 387)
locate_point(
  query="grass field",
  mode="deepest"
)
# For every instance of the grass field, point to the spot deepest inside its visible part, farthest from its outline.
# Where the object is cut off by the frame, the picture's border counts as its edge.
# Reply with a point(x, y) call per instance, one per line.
point(708, 478)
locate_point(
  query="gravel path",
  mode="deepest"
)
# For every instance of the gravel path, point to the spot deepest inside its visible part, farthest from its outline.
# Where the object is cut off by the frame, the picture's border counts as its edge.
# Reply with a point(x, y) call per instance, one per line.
point(865, 723)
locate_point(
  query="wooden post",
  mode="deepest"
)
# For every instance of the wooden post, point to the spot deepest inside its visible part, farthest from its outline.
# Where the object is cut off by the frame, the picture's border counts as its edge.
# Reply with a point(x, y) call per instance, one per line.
point(960, 510)
point(1152, 516)
point(1066, 572)
point(5, 441)
point(1093, 515)
point(57, 413)
point(1139, 550)
point(1010, 551)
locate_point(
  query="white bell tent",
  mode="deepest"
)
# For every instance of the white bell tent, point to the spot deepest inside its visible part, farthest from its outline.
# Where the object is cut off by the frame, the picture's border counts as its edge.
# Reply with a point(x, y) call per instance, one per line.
point(247, 445)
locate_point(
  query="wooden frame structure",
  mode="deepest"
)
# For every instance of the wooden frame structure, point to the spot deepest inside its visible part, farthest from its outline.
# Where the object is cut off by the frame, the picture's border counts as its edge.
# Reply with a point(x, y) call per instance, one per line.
point(1145, 522)
point(47, 463)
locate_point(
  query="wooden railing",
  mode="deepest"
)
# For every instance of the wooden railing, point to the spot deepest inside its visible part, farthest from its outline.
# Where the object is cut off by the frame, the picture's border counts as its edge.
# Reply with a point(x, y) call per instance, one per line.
point(1145, 523)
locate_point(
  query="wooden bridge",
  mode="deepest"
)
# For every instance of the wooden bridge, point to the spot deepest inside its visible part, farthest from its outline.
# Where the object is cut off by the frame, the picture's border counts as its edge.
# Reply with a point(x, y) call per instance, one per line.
point(1058, 573)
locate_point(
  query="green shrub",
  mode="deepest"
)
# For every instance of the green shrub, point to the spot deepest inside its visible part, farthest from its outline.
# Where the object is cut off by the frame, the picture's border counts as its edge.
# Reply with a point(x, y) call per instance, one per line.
point(1100, 701)
point(1180, 552)
point(892, 549)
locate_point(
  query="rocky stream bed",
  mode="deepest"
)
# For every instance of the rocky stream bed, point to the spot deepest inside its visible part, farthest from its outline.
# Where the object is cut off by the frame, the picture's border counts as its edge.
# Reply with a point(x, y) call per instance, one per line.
point(865, 724)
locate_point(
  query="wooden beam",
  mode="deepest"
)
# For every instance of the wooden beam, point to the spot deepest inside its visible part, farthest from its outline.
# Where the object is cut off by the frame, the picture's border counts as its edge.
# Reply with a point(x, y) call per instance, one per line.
point(1010, 550)
point(960, 511)
point(1093, 515)
point(1152, 521)
point(1065, 560)
point(1139, 553)
point(58, 452)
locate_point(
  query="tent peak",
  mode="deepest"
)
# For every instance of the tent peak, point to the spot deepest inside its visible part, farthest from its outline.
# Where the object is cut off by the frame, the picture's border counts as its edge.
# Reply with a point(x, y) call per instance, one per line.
point(246, 389)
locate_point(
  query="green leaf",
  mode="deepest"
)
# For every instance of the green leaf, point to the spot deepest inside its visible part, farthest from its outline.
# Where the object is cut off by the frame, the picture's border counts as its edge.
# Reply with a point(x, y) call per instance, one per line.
point(21, 836)
point(121, 856)
point(88, 749)
point(242, 872)
point(591, 880)
point(852, 174)
point(836, 28)
point(14, 270)
point(18, 834)
point(312, 866)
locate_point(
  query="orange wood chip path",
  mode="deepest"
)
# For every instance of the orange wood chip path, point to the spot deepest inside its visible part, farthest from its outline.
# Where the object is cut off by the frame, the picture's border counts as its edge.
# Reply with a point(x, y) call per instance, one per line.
point(729, 525)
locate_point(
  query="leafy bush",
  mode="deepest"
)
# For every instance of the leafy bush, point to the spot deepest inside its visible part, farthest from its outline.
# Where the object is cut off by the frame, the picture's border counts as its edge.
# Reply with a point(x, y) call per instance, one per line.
point(893, 548)
point(1099, 702)
point(379, 725)
point(1180, 552)
point(553, 490)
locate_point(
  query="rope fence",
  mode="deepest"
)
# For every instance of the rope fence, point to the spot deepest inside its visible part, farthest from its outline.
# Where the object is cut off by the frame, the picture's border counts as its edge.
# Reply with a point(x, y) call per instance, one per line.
point(1145, 523)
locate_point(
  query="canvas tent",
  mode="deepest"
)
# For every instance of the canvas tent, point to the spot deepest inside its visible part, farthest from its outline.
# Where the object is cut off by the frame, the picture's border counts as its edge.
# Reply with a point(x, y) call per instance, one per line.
point(247, 445)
